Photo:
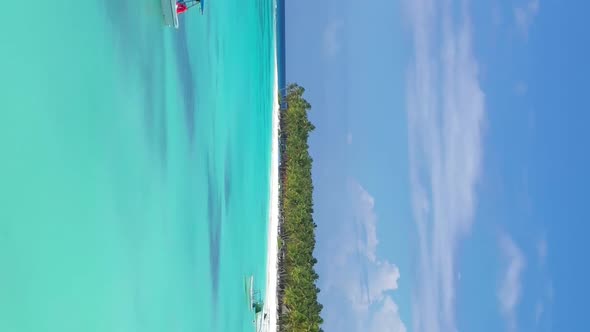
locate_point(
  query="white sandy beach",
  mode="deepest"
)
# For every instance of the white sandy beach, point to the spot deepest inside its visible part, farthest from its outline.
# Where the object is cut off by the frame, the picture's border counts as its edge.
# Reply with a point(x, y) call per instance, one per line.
point(269, 324)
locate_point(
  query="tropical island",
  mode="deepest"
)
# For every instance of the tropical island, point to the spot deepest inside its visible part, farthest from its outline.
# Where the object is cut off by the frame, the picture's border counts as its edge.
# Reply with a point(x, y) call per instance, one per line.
point(297, 293)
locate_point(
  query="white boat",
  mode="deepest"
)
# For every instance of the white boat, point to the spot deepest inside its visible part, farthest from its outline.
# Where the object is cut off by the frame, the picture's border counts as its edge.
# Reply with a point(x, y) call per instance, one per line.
point(169, 12)
point(255, 303)
point(251, 292)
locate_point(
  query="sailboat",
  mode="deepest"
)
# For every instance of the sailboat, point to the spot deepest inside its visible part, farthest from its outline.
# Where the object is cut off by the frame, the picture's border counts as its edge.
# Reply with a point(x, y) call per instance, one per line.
point(170, 13)
point(255, 303)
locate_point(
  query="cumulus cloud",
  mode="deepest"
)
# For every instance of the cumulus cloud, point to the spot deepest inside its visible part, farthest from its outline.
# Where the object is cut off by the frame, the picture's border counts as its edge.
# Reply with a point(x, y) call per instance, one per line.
point(386, 319)
point(358, 275)
point(509, 291)
point(525, 14)
point(331, 38)
point(445, 106)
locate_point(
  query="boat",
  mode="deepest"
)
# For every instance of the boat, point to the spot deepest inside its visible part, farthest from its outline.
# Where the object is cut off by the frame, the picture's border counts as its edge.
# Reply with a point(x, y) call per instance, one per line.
point(169, 12)
point(254, 301)
point(248, 287)
point(193, 3)
point(255, 304)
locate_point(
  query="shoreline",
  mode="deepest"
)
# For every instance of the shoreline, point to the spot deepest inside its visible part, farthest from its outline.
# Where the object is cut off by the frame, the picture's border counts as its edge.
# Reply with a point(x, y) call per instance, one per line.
point(269, 324)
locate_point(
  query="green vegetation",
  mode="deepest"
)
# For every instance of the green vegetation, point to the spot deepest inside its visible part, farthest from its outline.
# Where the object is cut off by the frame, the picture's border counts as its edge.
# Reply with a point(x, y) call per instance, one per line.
point(299, 310)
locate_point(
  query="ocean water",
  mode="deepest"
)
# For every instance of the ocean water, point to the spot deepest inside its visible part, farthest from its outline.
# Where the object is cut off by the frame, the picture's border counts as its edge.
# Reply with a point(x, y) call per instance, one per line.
point(134, 165)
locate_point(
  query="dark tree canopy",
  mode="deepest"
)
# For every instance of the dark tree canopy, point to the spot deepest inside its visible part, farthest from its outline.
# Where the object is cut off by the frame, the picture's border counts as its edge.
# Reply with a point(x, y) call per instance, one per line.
point(299, 309)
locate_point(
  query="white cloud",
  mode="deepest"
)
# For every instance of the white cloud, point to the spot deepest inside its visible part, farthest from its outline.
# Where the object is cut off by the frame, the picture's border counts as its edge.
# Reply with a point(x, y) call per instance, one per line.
point(539, 309)
point(525, 14)
point(446, 112)
point(542, 250)
point(358, 275)
point(364, 205)
point(331, 40)
point(521, 88)
point(509, 291)
point(386, 319)
point(545, 300)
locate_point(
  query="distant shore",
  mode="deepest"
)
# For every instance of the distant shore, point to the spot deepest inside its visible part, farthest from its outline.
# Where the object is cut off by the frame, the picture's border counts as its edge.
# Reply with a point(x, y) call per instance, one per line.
point(291, 297)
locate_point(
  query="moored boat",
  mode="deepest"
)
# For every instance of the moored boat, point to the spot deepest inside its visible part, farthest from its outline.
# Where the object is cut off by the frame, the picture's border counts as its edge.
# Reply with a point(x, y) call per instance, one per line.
point(169, 12)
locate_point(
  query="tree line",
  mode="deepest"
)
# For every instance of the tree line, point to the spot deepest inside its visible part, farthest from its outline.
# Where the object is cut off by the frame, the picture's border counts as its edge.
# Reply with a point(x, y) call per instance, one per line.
point(299, 309)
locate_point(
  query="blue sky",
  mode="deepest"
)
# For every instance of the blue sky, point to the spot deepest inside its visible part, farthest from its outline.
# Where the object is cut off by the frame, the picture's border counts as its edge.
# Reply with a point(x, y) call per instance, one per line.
point(450, 161)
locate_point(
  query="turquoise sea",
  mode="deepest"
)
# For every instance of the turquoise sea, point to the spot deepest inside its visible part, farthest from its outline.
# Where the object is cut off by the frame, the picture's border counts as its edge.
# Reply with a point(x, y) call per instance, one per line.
point(134, 170)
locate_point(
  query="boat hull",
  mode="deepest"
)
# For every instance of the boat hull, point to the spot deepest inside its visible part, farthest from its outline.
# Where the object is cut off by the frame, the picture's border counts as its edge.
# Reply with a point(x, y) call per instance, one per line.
point(169, 12)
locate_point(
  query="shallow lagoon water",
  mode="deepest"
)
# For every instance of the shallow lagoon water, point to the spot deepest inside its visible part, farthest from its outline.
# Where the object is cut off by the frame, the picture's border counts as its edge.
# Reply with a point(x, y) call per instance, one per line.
point(135, 164)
